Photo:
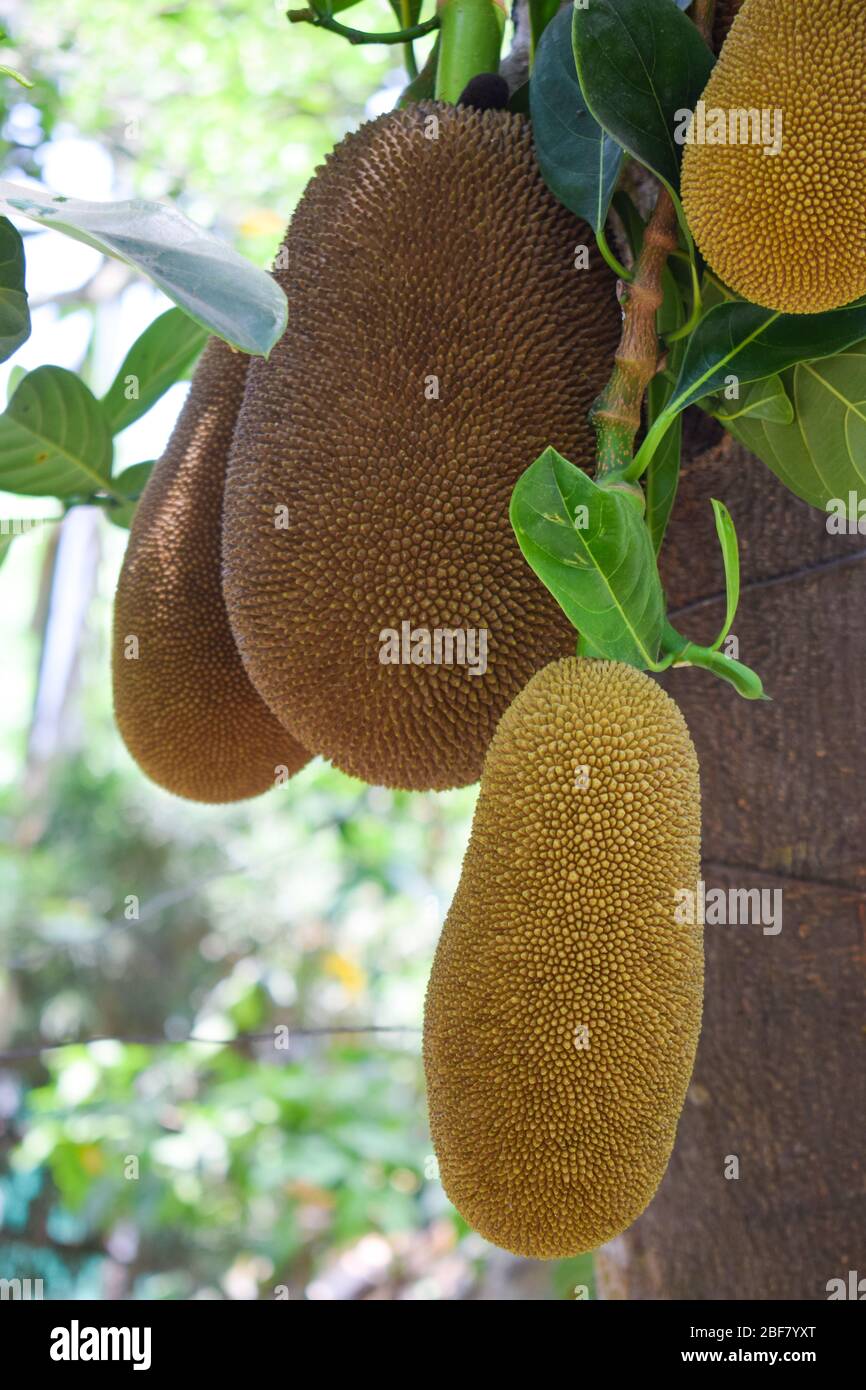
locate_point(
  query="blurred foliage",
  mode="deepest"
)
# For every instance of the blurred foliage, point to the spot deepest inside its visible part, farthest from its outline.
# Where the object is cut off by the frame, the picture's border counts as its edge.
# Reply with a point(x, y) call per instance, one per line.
point(232, 1168)
point(221, 105)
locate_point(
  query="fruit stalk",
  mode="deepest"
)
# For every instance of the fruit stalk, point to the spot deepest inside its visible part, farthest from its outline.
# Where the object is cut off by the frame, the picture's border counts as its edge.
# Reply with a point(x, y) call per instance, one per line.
point(617, 411)
point(471, 38)
point(703, 14)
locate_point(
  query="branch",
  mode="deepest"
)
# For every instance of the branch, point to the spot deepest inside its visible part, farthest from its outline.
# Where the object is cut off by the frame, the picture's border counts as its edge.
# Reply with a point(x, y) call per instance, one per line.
point(35, 1049)
point(325, 21)
point(617, 411)
point(703, 13)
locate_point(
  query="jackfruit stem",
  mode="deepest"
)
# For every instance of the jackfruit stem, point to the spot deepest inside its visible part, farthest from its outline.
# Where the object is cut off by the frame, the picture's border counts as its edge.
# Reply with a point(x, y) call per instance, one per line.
point(471, 38)
point(703, 14)
point(616, 413)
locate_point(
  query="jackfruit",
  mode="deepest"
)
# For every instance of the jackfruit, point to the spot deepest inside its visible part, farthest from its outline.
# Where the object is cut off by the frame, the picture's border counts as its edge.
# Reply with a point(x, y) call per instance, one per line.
point(183, 703)
point(441, 335)
point(786, 230)
point(564, 1004)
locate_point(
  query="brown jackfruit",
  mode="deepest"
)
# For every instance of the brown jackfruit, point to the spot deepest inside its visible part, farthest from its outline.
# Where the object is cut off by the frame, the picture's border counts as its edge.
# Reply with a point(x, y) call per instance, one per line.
point(183, 702)
point(439, 338)
point(786, 230)
point(564, 1003)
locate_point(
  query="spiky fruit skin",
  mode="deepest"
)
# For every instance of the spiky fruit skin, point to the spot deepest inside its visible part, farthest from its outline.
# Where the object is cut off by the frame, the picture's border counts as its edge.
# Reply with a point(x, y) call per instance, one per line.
point(564, 1003)
point(787, 231)
point(439, 338)
point(185, 706)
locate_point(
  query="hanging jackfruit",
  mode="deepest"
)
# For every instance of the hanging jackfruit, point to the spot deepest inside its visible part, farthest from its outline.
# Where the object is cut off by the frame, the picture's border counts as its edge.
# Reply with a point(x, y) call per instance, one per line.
point(564, 1003)
point(778, 210)
point(448, 320)
point(184, 705)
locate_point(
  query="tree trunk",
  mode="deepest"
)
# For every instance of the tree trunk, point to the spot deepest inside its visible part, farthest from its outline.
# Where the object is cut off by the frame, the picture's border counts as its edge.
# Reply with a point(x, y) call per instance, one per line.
point(780, 1080)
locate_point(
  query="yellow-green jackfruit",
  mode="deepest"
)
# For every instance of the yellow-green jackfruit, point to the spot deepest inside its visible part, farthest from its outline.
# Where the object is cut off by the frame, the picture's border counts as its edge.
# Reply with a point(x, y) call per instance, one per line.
point(779, 209)
point(564, 1003)
point(443, 330)
point(183, 702)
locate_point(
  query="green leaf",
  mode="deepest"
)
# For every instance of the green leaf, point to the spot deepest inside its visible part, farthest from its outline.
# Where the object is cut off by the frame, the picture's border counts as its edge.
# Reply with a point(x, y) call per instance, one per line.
point(642, 64)
point(761, 400)
point(821, 455)
point(662, 480)
point(748, 343)
point(218, 288)
point(579, 163)
point(129, 484)
point(163, 354)
point(54, 438)
point(726, 532)
point(590, 548)
point(744, 680)
point(541, 14)
point(681, 652)
point(14, 310)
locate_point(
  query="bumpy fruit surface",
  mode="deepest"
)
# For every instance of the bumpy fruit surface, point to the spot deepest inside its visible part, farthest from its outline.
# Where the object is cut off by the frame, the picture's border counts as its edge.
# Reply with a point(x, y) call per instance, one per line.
point(787, 230)
point(183, 702)
point(440, 336)
point(564, 1003)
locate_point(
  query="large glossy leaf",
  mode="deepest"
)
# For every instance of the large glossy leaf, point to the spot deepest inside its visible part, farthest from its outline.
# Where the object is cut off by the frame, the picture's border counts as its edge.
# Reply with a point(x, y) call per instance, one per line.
point(14, 311)
point(640, 63)
point(579, 162)
point(162, 355)
point(748, 343)
point(217, 287)
point(590, 548)
point(821, 454)
point(751, 343)
point(760, 400)
point(54, 438)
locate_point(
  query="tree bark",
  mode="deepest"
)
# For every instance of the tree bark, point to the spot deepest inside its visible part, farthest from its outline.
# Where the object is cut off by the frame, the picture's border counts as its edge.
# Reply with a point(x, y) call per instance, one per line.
point(780, 1079)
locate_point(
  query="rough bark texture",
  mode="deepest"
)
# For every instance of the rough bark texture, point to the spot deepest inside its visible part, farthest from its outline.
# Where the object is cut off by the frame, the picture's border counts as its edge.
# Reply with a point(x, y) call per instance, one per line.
point(780, 1079)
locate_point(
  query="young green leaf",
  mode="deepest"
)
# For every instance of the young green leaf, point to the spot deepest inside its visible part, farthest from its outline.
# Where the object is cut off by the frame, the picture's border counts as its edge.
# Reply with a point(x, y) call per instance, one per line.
point(589, 546)
point(642, 65)
point(761, 400)
point(681, 652)
point(14, 311)
point(821, 454)
point(54, 438)
point(745, 681)
point(726, 532)
point(163, 354)
point(218, 288)
point(579, 163)
point(740, 342)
